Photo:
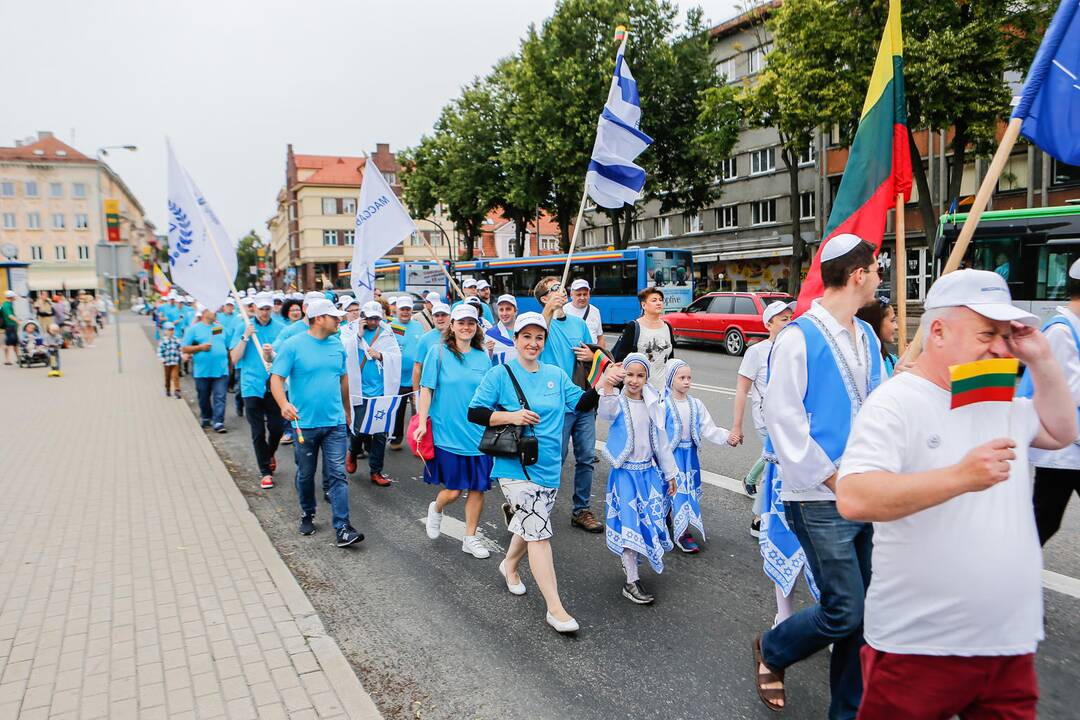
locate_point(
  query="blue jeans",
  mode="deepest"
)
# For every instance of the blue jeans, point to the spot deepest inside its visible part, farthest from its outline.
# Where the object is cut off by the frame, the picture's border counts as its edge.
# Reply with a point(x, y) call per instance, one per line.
point(376, 442)
point(332, 440)
point(581, 427)
point(838, 552)
point(211, 391)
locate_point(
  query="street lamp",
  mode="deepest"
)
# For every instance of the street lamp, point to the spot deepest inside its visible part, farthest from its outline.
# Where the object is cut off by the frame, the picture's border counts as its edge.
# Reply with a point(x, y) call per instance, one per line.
point(102, 152)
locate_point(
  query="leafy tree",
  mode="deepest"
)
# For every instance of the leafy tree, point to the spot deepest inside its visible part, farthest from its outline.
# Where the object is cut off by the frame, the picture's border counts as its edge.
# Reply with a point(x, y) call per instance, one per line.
point(247, 256)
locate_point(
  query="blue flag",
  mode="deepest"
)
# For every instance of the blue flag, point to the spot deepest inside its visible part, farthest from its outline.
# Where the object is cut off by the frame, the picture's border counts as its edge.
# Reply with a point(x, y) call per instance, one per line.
point(1050, 102)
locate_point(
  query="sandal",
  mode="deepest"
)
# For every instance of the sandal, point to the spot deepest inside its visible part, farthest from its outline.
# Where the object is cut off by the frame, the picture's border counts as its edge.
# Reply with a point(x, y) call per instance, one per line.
point(768, 695)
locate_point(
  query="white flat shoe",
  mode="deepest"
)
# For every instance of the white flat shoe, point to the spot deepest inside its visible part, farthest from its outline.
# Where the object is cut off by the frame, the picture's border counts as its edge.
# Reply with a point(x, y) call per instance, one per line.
point(434, 522)
point(472, 545)
point(518, 589)
point(564, 627)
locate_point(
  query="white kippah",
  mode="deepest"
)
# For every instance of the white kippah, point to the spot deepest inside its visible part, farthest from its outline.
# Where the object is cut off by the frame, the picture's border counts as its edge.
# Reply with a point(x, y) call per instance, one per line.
point(839, 245)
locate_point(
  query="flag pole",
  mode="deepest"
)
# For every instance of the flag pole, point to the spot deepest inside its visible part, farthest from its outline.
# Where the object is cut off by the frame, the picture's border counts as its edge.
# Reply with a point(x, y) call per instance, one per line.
point(986, 189)
point(236, 296)
point(901, 275)
point(434, 256)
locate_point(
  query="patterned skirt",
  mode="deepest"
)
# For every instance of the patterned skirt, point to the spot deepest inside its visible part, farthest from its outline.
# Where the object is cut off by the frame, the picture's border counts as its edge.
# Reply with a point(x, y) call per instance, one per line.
point(686, 503)
point(780, 548)
point(637, 507)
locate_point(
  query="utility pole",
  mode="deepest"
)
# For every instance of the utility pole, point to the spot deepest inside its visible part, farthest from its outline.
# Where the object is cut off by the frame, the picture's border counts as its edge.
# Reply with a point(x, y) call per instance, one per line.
point(102, 152)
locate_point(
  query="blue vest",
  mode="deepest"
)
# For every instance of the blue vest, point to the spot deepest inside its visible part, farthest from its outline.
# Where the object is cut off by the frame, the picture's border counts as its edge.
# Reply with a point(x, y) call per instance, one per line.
point(1027, 386)
point(620, 440)
point(673, 422)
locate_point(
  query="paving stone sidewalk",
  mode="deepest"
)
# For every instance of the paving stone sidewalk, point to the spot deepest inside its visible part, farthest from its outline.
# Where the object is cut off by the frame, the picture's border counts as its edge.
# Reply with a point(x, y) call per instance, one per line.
point(134, 581)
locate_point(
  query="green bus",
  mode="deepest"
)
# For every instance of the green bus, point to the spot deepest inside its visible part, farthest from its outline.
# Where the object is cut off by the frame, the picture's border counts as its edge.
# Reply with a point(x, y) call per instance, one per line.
point(1031, 248)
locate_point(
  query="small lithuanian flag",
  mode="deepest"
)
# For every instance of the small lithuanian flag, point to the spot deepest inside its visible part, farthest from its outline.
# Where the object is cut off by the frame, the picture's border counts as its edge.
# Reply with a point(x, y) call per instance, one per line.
point(600, 363)
point(991, 380)
point(398, 328)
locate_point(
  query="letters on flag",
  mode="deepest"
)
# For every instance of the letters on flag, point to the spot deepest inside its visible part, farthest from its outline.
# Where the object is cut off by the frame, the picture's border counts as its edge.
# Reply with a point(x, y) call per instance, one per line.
point(613, 179)
point(194, 230)
point(1050, 102)
point(381, 223)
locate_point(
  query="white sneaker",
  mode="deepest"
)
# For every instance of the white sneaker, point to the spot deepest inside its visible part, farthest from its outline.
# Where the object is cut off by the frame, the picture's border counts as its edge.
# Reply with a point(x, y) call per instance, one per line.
point(472, 545)
point(564, 627)
point(519, 588)
point(434, 522)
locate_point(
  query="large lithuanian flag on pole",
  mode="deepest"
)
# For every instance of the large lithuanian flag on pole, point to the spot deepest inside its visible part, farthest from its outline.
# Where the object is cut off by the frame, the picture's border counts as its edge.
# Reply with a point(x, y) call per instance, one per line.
point(879, 161)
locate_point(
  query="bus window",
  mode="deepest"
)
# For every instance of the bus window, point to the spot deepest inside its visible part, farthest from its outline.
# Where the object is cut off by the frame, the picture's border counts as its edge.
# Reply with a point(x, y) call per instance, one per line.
point(1052, 278)
point(1000, 255)
point(615, 278)
point(667, 269)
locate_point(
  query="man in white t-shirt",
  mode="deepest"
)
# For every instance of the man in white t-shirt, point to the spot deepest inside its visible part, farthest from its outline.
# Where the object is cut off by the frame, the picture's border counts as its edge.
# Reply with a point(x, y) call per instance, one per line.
point(954, 609)
point(579, 306)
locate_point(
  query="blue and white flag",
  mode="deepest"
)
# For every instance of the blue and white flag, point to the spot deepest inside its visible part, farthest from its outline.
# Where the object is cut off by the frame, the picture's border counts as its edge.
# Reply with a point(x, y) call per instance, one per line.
point(613, 179)
point(504, 350)
point(1050, 102)
point(381, 223)
point(379, 414)
point(204, 272)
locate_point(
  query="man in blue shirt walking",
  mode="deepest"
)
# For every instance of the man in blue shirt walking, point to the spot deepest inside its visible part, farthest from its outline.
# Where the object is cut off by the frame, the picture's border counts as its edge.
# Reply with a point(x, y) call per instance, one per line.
point(205, 342)
point(314, 363)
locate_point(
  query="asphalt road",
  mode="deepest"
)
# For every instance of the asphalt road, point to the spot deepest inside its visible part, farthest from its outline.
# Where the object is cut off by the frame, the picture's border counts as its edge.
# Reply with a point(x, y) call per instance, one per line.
point(434, 634)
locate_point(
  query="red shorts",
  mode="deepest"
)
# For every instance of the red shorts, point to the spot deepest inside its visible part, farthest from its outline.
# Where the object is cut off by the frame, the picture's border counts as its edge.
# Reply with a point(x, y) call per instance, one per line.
point(929, 687)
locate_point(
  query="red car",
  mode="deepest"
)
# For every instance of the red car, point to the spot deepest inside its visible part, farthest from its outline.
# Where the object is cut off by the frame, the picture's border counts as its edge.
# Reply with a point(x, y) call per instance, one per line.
point(730, 318)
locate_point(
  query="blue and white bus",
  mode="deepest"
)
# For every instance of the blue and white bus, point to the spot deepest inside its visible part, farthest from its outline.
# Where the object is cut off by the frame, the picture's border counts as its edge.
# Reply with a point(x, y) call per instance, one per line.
point(615, 278)
point(409, 276)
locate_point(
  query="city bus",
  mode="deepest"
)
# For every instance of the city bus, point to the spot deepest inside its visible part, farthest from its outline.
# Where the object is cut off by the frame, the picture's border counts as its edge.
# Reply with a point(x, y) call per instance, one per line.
point(615, 277)
point(409, 276)
point(1031, 248)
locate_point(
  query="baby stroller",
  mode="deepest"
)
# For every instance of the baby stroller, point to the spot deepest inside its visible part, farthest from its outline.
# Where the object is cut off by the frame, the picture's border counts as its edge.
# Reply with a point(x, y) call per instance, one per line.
point(71, 334)
point(32, 349)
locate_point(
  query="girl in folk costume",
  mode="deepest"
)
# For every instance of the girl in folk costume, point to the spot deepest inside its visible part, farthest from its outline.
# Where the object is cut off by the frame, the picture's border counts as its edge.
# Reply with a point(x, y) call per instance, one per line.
point(687, 422)
point(643, 473)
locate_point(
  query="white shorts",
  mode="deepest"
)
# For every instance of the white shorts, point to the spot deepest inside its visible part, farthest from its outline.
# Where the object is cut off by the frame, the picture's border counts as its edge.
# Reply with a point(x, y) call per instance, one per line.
point(532, 505)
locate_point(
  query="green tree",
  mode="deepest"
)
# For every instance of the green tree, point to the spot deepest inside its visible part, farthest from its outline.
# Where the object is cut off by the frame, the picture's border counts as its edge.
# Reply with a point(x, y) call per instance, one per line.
point(247, 256)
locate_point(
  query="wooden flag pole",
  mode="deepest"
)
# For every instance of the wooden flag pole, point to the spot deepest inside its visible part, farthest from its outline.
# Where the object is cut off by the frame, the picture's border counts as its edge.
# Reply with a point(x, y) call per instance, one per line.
point(986, 189)
point(559, 313)
point(901, 276)
point(435, 257)
point(236, 296)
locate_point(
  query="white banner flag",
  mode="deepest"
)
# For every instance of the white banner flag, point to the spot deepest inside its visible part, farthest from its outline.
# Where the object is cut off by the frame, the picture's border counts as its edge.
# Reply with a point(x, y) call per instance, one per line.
point(194, 229)
point(381, 223)
point(378, 415)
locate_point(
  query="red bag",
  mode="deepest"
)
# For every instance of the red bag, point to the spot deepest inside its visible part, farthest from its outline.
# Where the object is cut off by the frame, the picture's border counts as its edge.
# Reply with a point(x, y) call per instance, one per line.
point(426, 450)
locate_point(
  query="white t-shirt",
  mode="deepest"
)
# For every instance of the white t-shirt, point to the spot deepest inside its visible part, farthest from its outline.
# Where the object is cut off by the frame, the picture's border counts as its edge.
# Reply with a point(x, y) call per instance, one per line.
point(965, 577)
point(592, 321)
point(655, 344)
point(755, 368)
point(1064, 348)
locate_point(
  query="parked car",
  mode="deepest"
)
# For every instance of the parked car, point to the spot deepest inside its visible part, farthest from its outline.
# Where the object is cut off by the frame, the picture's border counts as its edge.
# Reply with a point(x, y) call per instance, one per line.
point(732, 319)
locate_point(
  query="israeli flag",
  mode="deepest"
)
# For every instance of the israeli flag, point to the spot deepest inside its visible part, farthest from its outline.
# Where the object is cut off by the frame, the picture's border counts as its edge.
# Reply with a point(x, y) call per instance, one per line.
point(504, 350)
point(613, 179)
point(379, 414)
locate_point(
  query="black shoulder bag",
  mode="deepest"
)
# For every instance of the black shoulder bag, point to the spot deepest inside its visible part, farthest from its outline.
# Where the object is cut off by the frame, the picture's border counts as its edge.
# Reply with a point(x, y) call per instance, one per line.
point(513, 441)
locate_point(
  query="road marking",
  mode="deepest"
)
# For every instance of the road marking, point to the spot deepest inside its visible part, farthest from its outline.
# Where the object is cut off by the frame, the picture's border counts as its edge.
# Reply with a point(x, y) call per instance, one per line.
point(714, 389)
point(455, 528)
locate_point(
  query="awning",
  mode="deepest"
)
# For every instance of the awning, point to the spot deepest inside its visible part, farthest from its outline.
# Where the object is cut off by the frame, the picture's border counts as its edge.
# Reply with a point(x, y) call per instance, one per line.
point(759, 253)
point(53, 278)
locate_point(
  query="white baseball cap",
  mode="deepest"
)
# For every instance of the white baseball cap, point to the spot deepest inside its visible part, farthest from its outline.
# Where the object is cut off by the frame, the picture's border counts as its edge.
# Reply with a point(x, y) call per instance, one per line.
point(775, 308)
point(468, 283)
point(322, 306)
point(313, 295)
point(372, 309)
point(481, 284)
point(440, 307)
point(250, 300)
point(296, 296)
point(433, 297)
point(392, 302)
point(404, 301)
point(262, 300)
point(1074, 270)
point(278, 296)
point(981, 291)
point(229, 301)
point(839, 245)
point(189, 299)
point(9, 293)
point(579, 284)
point(346, 300)
point(475, 301)
point(464, 310)
point(530, 318)
point(508, 298)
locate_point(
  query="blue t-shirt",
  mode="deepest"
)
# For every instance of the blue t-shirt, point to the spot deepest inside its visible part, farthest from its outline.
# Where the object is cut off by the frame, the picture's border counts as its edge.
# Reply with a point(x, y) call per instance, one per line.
point(169, 313)
point(187, 316)
point(314, 368)
point(295, 328)
point(485, 311)
point(427, 341)
point(563, 336)
point(454, 382)
point(550, 394)
point(371, 375)
point(233, 324)
point(410, 346)
point(253, 375)
point(215, 361)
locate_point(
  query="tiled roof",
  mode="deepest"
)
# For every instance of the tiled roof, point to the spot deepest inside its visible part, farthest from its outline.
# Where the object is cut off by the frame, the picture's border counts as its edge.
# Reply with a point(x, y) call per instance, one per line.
point(46, 149)
point(332, 169)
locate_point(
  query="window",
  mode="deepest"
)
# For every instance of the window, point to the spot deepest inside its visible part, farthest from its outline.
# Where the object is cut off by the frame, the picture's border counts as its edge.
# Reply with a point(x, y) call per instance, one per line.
point(1063, 174)
point(329, 206)
point(61, 253)
point(348, 206)
point(9, 221)
point(33, 221)
point(350, 237)
point(7, 189)
point(729, 169)
point(37, 252)
point(809, 155)
point(329, 237)
point(721, 304)
point(806, 206)
point(756, 60)
point(762, 212)
point(693, 222)
point(744, 306)
point(84, 252)
point(292, 211)
point(56, 190)
point(762, 161)
point(391, 178)
point(637, 231)
point(82, 221)
point(434, 237)
point(699, 305)
point(727, 217)
point(723, 69)
point(58, 221)
point(663, 227)
point(31, 189)
point(78, 190)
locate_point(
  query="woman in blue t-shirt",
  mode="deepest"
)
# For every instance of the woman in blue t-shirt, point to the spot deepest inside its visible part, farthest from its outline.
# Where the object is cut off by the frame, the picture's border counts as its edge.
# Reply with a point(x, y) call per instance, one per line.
point(530, 491)
point(452, 371)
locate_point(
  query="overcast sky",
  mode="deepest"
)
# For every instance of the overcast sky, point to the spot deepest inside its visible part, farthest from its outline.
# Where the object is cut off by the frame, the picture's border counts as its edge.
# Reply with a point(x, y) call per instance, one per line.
point(231, 82)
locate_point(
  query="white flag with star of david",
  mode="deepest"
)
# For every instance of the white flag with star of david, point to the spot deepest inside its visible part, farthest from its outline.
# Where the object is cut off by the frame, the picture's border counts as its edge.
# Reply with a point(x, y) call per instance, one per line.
point(379, 414)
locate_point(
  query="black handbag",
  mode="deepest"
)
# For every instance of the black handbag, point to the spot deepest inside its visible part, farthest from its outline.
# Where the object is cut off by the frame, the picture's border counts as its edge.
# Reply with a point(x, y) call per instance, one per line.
point(512, 441)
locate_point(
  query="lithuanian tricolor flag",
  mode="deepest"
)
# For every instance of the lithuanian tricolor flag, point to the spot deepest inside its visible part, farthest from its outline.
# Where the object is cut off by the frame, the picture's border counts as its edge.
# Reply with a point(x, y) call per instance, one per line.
point(879, 160)
point(600, 363)
point(983, 381)
point(398, 328)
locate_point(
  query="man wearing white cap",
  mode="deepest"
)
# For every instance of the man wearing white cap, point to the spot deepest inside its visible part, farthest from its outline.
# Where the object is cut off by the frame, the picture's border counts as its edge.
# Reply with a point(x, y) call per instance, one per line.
point(1057, 473)
point(318, 402)
point(500, 339)
point(206, 342)
point(351, 306)
point(483, 291)
point(808, 425)
point(579, 307)
point(469, 287)
point(424, 316)
point(409, 342)
point(233, 322)
point(954, 614)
